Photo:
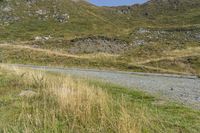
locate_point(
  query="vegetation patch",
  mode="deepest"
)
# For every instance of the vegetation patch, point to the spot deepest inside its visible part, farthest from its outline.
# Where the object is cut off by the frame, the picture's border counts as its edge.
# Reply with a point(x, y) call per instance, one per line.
point(63, 103)
point(189, 64)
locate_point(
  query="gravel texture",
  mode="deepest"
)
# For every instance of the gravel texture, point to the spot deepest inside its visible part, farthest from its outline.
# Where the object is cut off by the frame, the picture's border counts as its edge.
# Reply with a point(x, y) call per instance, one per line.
point(184, 89)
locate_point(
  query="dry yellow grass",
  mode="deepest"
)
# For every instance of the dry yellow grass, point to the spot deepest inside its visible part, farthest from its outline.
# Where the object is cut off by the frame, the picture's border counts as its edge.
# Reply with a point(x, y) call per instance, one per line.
point(70, 104)
point(61, 53)
point(172, 55)
point(86, 108)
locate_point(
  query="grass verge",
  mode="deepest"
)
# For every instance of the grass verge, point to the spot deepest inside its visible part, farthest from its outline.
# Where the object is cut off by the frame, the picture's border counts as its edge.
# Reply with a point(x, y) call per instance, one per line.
point(66, 104)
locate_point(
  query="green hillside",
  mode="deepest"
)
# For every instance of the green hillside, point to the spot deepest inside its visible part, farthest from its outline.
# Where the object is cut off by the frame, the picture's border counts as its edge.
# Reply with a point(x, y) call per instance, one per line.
point(159, 36)
point(137, 35)
point(25, 19)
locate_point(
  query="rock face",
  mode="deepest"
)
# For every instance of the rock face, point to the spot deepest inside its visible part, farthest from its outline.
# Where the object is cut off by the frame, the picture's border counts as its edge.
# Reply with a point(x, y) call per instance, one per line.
point(98, 45)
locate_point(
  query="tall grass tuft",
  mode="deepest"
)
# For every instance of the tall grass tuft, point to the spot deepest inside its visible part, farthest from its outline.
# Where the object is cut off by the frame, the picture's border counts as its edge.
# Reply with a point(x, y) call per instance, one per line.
point(66, 104)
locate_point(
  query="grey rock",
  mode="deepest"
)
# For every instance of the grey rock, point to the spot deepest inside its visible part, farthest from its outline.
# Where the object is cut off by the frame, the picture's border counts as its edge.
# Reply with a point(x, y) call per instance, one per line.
point(42, 38)
point(7, 9)
point(197, 99)
point(123, 11)
point(139, 42)
point(38, 38)
point(142, 31)
point(62, 18)
point(27, 93)
point(197, 36)
point(41, 12)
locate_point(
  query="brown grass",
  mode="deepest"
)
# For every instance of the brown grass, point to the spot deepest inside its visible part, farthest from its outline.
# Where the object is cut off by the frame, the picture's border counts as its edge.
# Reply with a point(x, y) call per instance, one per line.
point(82, 107)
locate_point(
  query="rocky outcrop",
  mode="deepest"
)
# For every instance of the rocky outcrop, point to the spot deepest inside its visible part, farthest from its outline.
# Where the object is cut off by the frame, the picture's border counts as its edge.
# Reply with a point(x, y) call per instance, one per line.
point(98, 45)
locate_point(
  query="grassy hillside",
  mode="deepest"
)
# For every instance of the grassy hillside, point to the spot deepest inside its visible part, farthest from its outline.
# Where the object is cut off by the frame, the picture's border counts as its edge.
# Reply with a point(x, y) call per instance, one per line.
point(159, 36)
point(136, 38)
point(69, 19)
point(27, 55)
point(36, 101)
point(39, 18)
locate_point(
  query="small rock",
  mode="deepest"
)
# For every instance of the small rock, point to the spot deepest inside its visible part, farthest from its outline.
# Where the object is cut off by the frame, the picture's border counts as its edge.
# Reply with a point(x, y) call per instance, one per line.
point(7, 9)
point(27, 93)
point(197, 36)
point(139, 42)
point(47, 37)
point(41, 12)
point(38, 38)
point(142, 31)
point(197, 99)
point(35, 46)
point(42, 38)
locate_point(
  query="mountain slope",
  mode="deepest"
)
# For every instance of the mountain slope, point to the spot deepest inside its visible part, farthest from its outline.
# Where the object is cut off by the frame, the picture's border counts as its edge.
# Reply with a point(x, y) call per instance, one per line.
point(62, 18)
point(130, 34)
point(25, 19)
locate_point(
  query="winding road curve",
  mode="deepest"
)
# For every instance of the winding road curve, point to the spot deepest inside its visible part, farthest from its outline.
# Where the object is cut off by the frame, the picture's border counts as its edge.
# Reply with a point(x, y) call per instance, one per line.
point(184, 89)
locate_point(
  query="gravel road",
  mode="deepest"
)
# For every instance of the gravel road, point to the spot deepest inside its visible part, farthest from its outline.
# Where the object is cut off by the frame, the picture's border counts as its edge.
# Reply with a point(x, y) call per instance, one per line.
point(184, 89)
